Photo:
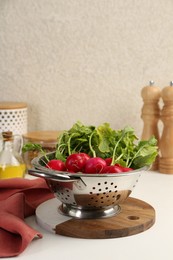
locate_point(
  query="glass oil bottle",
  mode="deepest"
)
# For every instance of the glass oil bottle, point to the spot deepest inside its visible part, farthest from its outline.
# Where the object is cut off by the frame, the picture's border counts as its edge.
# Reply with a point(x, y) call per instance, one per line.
point(11, 162)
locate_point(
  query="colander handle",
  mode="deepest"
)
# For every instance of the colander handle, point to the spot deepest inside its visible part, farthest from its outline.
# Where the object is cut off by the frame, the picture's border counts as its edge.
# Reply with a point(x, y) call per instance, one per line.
point(49, 175)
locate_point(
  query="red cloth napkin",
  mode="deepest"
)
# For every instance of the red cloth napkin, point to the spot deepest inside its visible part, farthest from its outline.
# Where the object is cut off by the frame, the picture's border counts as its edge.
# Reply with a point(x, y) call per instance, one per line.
point(19, 199)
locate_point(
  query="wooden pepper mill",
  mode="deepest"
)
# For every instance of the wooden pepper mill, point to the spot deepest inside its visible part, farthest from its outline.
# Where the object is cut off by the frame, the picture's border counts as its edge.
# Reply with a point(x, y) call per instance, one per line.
point(151, 114)
point(166, 141)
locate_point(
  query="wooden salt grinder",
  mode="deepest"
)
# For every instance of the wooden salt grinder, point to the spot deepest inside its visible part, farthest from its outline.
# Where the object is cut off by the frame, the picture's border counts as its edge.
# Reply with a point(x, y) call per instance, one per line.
point(166, 141)
point(151, 114)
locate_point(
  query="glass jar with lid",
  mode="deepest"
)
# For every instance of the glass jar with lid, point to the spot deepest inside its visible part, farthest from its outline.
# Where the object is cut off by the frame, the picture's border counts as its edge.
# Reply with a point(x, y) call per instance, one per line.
point(47, 140)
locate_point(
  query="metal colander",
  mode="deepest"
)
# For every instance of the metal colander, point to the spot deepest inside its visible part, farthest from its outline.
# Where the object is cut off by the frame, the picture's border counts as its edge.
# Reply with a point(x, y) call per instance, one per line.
point(88, 195)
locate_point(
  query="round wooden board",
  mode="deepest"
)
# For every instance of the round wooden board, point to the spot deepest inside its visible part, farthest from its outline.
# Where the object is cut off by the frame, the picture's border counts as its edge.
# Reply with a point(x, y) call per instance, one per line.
point(135, 217)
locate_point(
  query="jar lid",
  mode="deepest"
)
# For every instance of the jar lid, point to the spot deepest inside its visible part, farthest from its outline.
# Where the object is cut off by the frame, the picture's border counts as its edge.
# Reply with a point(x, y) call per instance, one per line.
point(44, 136)
point(12, 105)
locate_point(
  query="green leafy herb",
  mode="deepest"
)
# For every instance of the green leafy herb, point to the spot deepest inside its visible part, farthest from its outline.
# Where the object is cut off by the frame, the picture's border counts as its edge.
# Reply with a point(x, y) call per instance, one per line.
point(31, 147)
point(74, 140)
point(145, 153)
point(102, 141)
point(34, 147)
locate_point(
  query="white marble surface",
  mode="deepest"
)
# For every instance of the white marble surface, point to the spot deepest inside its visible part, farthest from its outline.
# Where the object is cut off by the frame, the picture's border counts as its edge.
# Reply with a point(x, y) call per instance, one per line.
point(155, 243)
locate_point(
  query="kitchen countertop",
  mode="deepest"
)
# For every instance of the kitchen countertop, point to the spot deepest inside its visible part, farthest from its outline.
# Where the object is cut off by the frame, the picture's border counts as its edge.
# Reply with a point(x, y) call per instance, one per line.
point(155, 243)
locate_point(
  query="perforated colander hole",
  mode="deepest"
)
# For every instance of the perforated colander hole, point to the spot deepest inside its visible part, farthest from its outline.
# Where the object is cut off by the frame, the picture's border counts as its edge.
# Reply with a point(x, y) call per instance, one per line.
point(135, 183)
point(118, 196)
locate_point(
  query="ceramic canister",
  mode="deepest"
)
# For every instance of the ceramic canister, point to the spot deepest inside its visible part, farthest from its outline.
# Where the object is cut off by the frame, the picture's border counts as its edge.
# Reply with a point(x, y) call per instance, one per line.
point(13, 117)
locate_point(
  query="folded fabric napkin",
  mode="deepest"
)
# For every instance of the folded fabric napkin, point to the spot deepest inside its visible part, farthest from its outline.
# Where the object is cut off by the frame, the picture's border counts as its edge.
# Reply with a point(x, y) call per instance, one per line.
point(19, 199)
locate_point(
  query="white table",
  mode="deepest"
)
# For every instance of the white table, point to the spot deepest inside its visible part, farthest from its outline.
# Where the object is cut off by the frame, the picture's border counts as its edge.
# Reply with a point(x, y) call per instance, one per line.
point(155, 243)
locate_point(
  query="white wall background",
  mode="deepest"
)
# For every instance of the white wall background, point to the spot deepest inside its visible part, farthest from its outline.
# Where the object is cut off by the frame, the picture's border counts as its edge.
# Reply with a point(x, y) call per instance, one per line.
point(84, 60)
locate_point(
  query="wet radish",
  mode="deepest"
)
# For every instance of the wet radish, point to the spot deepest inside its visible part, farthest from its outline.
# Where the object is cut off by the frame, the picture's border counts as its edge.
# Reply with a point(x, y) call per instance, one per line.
point(111, 169)
point(94, 165)
point(108, 161)
point(126, 169)
point(76, 162)
point(55, 164)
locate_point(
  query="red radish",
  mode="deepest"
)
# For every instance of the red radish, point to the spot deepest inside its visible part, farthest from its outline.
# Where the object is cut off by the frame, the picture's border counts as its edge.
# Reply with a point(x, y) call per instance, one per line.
point(111, 169)
point(55, 164)
point(94, 165)
point(123, 168)
point(76, 162)
point(126, 169)
point(108, 161)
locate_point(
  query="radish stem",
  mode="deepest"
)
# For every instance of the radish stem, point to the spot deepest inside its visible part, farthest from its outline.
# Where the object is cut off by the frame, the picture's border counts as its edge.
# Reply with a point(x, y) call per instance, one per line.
point(90, 145)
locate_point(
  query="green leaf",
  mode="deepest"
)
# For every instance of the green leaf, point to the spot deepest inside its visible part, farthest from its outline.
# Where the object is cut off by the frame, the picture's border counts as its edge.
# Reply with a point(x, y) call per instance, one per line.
point(60, 156)
point(146, 152)
point(31, 147)
point(104, 132)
